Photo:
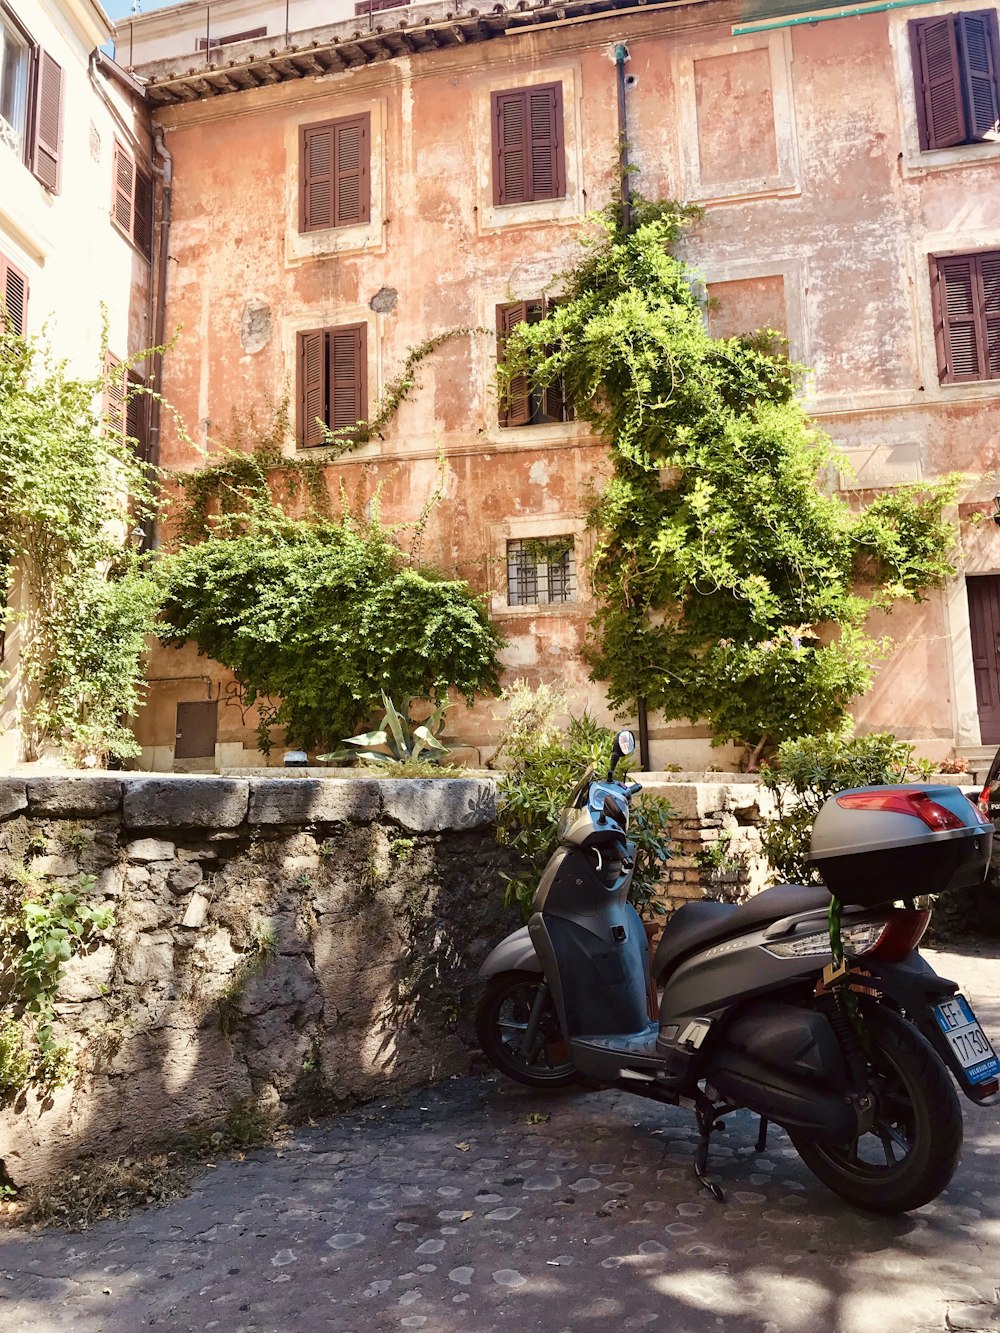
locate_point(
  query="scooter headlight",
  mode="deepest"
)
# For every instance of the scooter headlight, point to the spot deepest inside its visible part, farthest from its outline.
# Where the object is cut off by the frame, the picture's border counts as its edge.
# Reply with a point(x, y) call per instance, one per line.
point(858, 939)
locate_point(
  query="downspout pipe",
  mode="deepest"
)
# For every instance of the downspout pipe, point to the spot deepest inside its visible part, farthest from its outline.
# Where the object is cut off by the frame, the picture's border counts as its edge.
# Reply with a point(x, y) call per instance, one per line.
point(166, 174)
point(621, 56)
point(625, 188)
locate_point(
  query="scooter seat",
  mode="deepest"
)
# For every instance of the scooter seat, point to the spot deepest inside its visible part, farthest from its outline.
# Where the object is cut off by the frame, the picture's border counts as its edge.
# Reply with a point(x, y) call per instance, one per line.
point(697, 924)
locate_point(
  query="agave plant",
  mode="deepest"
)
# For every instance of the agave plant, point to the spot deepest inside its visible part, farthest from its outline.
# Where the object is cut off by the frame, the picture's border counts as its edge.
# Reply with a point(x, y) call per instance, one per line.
point(396, 741)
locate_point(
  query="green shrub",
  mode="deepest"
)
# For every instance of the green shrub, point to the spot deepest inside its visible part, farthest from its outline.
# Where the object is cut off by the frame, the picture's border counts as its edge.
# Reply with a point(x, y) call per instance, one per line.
point(545, 764)
point(808, 771)
point(321, 618)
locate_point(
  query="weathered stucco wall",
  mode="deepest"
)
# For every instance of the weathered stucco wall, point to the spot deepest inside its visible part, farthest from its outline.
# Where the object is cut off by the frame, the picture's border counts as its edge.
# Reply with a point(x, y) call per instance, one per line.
point(293, 943)
point(821, 211)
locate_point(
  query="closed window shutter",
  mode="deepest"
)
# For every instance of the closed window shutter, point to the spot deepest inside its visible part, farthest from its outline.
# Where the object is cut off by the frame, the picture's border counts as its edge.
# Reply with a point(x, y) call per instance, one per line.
point(48, 123)
point(511, 184)
point(114, 396)
point(978, 52)
point(352, 182)
point(124, 188)
point(545, 125)
point(137, 414)
point(316, 204)
point(348, 376)
point(516, 410)
point(556, 405)
point(142, 214)
point(13, 298)
point(989, 278)
point(938, 74)
point(958, 316)
point(312, 386)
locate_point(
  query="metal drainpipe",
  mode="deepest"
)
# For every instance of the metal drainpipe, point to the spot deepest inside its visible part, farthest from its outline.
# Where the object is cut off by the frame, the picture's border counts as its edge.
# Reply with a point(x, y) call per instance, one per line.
point(150, 538)
point(621, 56)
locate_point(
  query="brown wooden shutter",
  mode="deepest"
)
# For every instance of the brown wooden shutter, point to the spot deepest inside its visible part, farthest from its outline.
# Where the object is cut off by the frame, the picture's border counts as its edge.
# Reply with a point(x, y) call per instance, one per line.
point(978, 54)
point(528, 154)
point(312, 386)
point(47, 138)
point(142, 213)
point(510, 148)
point(545, 127)
point(137, 414)
point(989, 279)
point(316, 177)
point(556, 405)
point(957, 313)
point(13, 297)
point(114, 396)
point(124, 189)
point(937, 77)
point(352, 179)
point(348, 376)
point(516, 411)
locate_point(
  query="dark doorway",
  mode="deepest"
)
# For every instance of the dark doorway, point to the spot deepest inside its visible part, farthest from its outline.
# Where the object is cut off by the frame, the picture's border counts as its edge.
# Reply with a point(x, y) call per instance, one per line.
point(984, 619)
point(197, 729)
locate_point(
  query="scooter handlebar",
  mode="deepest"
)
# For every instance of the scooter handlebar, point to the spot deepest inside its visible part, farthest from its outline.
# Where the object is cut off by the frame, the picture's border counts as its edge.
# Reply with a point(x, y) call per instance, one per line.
point(633, 789)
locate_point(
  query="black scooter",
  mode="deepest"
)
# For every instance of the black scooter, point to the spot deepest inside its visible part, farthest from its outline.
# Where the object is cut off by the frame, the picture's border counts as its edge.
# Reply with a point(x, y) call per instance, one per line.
point(829, 1023)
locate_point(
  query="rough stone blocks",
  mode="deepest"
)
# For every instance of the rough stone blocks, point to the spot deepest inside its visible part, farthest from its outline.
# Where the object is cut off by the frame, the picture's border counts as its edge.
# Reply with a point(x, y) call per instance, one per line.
point(217, 803)
point(313, 800)
point(13, 798)
point(63, 796)
point(432, 805)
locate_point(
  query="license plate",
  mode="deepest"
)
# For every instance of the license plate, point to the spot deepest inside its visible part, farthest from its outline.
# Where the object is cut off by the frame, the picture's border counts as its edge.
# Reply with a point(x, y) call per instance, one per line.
point(967, 1039)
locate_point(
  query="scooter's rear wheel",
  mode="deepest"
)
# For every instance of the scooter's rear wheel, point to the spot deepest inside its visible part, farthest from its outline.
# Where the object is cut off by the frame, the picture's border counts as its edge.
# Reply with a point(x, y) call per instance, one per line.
point(912, 1151)
point(501, 1025)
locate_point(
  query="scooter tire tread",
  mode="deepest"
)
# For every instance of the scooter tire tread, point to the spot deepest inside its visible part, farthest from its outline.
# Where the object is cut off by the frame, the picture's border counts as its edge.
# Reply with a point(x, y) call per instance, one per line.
point(493, 1046)
point(940, 1126)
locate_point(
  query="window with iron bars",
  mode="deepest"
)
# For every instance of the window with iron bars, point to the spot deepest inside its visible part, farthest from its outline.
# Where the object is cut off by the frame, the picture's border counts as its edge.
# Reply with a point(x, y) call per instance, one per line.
point(541, 571)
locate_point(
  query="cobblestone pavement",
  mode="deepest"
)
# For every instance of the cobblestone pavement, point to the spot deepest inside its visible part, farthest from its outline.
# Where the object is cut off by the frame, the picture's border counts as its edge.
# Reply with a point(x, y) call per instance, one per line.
point(481, 1206)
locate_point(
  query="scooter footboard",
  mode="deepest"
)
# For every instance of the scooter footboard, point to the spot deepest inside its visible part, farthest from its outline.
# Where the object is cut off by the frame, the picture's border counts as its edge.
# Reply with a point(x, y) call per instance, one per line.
point(599, 983)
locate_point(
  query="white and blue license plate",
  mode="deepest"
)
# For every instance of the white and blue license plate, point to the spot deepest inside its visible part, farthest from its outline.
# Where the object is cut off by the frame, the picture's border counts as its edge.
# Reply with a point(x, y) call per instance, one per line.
point(967, 1039)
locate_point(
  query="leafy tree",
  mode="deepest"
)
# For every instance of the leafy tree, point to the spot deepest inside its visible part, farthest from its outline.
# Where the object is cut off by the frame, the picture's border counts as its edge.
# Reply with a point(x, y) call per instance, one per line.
point(732, 586)
point(71, 489)
point(324, 617)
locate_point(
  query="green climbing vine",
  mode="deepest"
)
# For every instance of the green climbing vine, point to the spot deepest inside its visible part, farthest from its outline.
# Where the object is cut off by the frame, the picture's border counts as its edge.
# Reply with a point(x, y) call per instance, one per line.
point(733, 586)
point(72, 491)
point(257, 468)
point(41, 928)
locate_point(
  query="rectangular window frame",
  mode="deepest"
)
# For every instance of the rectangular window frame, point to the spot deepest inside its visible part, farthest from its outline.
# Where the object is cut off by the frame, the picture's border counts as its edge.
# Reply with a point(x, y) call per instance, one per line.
point(535, 580)
point(338, 214)
point(982, 323)
point(513, 184)
point(132, 200)
point(211, 43)
point(967, 100)
point(528, 406)
point(317, 386)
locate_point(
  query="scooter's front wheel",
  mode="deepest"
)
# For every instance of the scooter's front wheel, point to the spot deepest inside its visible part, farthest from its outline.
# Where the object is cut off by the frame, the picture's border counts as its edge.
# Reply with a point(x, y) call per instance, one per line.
point(502, 1024)
point(912, 1149)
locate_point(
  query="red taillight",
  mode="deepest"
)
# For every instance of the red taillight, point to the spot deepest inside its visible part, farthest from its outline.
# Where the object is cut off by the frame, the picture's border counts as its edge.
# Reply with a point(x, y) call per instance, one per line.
point(902, 802)
point(904, 929)
point(984, 800)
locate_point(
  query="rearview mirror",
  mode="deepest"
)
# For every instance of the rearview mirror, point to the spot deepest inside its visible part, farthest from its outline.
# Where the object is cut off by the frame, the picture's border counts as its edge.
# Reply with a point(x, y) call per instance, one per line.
point(624, 745)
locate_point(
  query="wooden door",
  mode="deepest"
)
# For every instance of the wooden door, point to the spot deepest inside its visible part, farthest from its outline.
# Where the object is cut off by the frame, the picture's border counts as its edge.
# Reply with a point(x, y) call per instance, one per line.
point(984, 618)
point(197, 728)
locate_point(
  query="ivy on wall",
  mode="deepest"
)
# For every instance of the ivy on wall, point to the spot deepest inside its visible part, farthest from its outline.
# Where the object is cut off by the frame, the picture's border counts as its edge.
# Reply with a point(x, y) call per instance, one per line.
point(733, 586)
point(71, 492)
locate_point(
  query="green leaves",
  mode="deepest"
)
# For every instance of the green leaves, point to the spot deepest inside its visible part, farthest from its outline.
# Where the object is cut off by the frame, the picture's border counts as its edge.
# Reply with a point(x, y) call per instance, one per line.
point(732, 587)
point(400, 744)
point(327, 618)
point(71, 489)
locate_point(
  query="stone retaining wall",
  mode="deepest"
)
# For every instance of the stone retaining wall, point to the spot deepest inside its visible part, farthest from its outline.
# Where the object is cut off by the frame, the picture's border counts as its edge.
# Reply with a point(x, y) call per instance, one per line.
point(300, 944)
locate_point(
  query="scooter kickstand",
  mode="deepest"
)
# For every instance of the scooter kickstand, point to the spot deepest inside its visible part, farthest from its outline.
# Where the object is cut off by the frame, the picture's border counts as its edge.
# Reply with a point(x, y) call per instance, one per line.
point(706, 1124)
point(761, 1143)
